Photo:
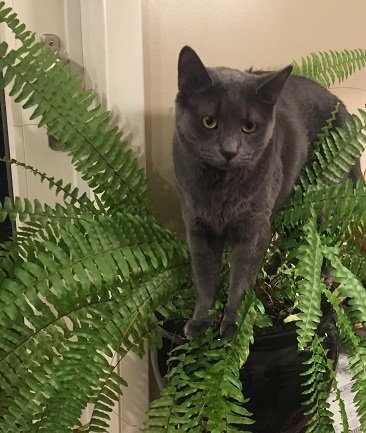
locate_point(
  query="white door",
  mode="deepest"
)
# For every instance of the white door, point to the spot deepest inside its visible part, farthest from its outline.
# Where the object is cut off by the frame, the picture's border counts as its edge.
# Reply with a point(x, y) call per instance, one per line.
point(27, 142)
point(90, 33)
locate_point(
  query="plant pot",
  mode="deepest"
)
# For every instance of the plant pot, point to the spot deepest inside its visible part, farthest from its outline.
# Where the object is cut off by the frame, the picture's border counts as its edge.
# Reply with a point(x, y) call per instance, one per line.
point(271, 376)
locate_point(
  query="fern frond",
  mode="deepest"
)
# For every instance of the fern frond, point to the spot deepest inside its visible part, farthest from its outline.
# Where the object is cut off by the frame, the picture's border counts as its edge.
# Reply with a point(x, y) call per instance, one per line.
point(357, 359)
point(354, 260)
point(122, 329)
point(69, 195)
point(204, 392)
point(344, 202)
point(310, 286)
point(38, 222)
point(343, 219)
point(341, 405)
point(328, 67)
point(97, 151)
point(34, 213)
point(340, 151)
point(330, 160)
point(357, 363)
point(319, 377)
point(77, 277)
point(312, 169)
point(350, 287)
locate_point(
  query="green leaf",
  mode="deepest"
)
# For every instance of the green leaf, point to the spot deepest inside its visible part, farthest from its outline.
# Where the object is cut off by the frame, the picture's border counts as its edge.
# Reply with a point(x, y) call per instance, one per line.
point(310, 287)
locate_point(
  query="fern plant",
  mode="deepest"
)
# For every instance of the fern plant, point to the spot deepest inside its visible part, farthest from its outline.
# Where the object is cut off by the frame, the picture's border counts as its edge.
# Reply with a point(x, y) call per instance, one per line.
point(86, 279)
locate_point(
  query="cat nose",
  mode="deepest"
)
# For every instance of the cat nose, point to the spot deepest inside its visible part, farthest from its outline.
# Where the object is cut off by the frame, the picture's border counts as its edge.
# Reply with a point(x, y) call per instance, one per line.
point(228, 154)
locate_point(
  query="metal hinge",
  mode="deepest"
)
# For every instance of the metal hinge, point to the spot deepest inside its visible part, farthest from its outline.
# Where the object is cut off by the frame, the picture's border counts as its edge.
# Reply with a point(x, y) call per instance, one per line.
point(53, 42)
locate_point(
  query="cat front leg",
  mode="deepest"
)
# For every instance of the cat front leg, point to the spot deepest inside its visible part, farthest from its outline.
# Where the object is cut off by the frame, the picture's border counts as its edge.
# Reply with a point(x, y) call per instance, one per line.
point(246, 259)
point(206, 251)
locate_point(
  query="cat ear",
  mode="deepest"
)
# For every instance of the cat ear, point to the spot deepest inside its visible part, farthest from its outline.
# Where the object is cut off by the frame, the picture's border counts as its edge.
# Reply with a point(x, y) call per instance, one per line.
point(270, 90)
point(192, 74)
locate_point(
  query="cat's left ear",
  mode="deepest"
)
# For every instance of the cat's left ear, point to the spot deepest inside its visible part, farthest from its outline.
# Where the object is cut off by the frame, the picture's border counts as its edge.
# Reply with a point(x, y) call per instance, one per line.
point(270, 89)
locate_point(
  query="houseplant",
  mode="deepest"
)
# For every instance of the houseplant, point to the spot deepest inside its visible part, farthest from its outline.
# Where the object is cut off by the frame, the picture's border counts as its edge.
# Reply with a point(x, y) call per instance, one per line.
point(92, 278)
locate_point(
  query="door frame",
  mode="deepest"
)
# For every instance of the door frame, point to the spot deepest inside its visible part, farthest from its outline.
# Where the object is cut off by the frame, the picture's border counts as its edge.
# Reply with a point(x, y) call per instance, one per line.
point(113, 66)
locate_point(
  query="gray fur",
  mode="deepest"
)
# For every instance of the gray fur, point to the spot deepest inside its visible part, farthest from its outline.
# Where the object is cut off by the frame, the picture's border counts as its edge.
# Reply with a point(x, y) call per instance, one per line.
point(230, 181)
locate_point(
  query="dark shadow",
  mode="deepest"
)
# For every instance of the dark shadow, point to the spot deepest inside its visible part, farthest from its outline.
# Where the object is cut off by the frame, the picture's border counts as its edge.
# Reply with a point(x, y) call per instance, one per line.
point(6, 227)
point(165, 203)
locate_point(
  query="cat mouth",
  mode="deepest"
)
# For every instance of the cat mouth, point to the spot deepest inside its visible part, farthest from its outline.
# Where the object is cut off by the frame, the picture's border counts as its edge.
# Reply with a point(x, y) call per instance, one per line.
point(235, 162)
point(224, 164)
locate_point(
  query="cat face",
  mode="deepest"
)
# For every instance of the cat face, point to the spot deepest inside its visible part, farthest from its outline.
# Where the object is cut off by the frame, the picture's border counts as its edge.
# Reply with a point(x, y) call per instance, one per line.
point(225, 117)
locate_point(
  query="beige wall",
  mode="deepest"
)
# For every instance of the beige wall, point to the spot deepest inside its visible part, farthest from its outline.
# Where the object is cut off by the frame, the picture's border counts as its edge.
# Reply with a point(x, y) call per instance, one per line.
point(238, 34)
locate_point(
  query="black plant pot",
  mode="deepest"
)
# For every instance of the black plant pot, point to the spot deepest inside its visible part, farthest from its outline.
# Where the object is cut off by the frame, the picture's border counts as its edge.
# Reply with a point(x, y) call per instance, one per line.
point(271, 376)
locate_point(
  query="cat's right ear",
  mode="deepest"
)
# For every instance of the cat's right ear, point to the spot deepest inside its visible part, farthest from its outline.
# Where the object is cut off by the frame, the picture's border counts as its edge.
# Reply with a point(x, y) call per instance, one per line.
point(192, 74)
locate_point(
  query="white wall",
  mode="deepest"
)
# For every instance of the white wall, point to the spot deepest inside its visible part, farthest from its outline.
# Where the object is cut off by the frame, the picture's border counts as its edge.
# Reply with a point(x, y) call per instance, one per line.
point(239, 34)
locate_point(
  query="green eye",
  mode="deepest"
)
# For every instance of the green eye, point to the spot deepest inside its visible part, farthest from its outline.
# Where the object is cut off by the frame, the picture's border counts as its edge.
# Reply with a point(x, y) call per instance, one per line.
point(209, 122)
point(249, 127)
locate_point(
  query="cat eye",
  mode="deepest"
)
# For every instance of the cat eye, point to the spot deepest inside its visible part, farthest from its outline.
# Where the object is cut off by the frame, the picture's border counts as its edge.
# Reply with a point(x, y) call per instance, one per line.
point(249, 127)
point(209, 122)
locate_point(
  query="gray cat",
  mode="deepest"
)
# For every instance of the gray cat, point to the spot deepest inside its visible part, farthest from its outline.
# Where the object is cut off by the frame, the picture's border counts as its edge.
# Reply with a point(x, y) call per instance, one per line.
point(240, 142)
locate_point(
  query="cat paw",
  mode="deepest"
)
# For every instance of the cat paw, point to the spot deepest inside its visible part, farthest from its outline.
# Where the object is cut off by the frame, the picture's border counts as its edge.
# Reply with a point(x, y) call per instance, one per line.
point(228, 329)
point(196, 328)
